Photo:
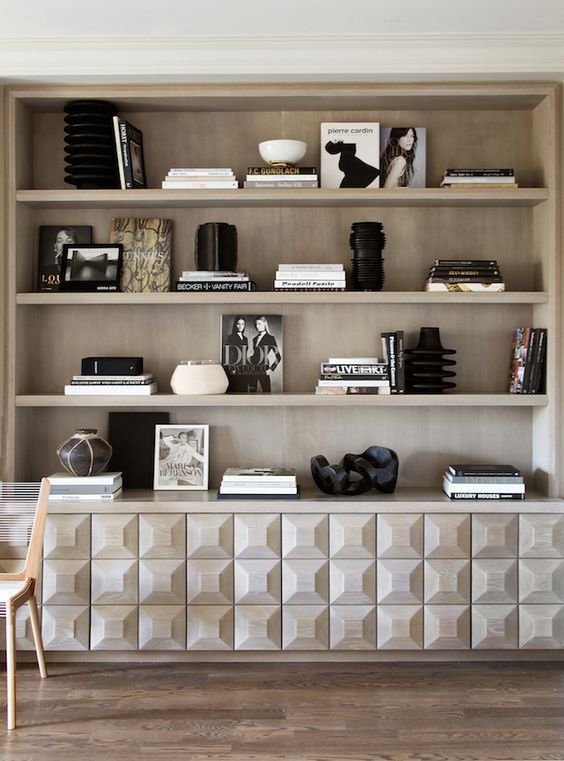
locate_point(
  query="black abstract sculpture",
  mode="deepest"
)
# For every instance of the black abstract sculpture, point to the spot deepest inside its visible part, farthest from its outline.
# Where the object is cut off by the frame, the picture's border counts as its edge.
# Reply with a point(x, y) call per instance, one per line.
point(376, 467)
point(424, 365)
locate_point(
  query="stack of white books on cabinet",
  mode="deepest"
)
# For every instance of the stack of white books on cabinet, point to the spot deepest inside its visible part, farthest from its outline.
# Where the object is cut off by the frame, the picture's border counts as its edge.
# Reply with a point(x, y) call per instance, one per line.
point(259, 483)
point(208, 178)
point(354, 375)
point(310, 277)
point(66, 486)
point(91, 385)
point(483, 482)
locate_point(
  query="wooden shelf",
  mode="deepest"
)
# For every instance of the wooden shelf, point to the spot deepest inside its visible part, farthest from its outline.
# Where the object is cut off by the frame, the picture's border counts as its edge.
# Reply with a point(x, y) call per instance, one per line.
point(398, 197)
point(285, 400)
point(284, 297)
point(407, 500)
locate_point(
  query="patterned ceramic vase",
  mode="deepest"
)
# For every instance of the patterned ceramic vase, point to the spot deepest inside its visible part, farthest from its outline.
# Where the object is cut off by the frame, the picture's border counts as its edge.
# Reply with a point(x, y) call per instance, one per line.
point(85, 453)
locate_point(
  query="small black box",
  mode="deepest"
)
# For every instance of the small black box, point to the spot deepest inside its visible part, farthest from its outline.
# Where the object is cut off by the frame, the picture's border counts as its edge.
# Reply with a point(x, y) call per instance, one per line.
point(112, 365)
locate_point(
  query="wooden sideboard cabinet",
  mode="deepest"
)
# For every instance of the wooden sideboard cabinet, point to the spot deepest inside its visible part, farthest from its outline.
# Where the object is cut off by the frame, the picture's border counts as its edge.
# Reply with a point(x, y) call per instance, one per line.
point(302, 581)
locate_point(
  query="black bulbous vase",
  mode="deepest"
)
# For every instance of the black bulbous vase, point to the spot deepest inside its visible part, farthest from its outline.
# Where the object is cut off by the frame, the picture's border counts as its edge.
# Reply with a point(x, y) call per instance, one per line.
point(425, 365)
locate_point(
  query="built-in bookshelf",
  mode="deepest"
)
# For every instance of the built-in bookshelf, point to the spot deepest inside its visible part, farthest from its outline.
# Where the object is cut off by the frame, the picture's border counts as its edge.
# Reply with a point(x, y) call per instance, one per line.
point(221, 125)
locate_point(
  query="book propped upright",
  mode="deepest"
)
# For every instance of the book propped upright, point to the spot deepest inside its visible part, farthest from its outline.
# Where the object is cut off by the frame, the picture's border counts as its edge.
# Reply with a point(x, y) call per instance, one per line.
point(129, 151)
point(147, 253)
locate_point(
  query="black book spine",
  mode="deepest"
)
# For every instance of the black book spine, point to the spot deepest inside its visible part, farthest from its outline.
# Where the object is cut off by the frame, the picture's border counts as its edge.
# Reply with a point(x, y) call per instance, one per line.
point(485, 495)
point(391, 353)
point(469, 271)
point(400, 366)
point(464, 279)
point(539, 362)
point(472, 472)
point(127, 171)
point(466, 263)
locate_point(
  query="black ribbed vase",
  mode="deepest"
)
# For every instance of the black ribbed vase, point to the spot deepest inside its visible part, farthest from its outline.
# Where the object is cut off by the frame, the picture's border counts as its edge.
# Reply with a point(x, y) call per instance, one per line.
point(425, 365)
point(90, 145)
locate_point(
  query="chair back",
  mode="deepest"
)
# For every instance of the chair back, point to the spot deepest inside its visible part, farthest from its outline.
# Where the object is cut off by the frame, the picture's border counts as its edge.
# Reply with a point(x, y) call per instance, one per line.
point(23, 511)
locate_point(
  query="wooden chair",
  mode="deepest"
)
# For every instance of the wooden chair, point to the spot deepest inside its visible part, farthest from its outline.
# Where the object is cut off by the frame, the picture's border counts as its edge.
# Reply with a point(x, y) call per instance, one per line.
point(23, 509)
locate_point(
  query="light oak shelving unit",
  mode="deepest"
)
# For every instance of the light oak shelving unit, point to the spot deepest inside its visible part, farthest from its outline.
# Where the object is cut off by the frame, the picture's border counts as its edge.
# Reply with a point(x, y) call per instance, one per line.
point(421, 531)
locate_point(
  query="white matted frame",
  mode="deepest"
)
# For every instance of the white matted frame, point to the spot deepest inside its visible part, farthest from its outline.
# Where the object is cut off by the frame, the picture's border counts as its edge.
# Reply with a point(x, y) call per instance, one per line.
point(181, 457)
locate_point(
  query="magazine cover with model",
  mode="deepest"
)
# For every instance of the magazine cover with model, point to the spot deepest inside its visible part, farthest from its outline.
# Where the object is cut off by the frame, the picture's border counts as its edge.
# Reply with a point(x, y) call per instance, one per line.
point(251, 352)
point(403, 157)
point(350, 155)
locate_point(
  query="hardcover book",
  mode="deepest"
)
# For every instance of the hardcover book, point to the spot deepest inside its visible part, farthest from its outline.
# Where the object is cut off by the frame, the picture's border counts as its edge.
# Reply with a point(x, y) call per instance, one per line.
point(132, 436)
point(403, 157)
point(129, 150)
point(147, 252)
point(52, 239)
point(251, 352)
point(350, 155)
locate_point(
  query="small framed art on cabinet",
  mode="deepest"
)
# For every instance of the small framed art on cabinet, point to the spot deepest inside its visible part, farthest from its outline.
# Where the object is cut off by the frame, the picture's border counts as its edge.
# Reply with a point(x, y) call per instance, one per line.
point(181, 457)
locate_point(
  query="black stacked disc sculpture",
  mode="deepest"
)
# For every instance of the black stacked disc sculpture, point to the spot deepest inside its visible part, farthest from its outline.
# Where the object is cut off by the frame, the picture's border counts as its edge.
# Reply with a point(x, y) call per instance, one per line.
point(90, 146)
point(424, 365)
point(367, 241)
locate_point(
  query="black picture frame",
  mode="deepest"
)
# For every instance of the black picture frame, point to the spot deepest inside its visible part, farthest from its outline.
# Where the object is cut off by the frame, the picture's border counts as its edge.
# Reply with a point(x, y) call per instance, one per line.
point(91, 267)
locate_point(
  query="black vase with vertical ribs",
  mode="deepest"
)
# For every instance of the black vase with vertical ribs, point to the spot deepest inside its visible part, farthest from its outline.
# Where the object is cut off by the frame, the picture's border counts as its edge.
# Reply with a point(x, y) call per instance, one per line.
point(425, 365)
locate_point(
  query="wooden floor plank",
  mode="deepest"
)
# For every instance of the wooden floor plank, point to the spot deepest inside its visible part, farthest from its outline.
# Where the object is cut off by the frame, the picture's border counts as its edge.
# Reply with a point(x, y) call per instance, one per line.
point(289, 712)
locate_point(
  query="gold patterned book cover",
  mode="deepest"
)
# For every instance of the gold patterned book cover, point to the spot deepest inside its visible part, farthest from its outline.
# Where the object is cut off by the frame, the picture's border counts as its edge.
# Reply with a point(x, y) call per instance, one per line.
point(147, 247)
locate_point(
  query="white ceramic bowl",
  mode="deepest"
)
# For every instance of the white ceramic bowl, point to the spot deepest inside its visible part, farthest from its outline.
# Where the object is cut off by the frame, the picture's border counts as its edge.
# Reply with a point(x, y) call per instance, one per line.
point(282, 151)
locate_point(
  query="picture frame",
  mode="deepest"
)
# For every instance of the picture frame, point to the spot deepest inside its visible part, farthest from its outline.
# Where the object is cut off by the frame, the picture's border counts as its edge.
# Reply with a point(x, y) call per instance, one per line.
point(91, 267)
point(181, 457)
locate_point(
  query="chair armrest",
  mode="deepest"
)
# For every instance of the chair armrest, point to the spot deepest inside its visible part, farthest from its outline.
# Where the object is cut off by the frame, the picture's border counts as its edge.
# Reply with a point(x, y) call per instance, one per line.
point(12, 576)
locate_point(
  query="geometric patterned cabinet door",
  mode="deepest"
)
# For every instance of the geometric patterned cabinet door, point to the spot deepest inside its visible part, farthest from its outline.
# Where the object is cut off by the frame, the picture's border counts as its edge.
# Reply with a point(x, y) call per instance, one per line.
point(495, 535)
point(541, 580)
point(353, 582)
point(541, 626)
point(353, 627)
point(447, 536)
point(447, 582)
point(162, 627)
point(113, 627)
point(400, 582)
point(447, 627)
point(66, 537)
point(257, 536)
point(494, 581)
point(257, 627)
point(210, 582)
point(305, 582)
point(65, 627)
point(352, 536)
point(305, 627)
point(400, 627)
point(305, 536)
point(162, 582)
point(400, 536)
point(541, 536)
point(258, 582)
point(209, 536)
point(114, 582)
point(494, 627)
point(210, 627)
point(66, 582)
point(162, 536)
point(114, 536)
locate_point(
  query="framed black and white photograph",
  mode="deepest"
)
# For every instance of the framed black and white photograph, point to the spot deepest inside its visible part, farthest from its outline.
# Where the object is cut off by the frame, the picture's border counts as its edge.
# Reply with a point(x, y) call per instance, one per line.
point(252, 352)
point(52, 239)
point(181, 456)
point(404, 157)
point(95, 267)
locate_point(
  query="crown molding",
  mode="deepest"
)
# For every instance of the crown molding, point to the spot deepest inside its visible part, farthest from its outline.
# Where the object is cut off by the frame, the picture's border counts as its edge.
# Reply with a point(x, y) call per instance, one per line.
point(307, 57)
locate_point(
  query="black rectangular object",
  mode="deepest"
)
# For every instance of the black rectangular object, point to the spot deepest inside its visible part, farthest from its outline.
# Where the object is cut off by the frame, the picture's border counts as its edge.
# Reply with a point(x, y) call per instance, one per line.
point(112, 365)
point(132, 436)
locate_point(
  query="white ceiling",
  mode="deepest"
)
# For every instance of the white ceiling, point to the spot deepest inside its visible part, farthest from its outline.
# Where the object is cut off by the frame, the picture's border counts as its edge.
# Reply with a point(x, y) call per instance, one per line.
point(163, 18)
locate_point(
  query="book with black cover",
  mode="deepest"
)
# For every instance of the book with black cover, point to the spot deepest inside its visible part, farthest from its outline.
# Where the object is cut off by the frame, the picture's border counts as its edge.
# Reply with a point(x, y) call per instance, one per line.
point(485, 495)
point(132, 436)
point(484, 470)
point(129, 149)
point(52, 238)
point(259, 496)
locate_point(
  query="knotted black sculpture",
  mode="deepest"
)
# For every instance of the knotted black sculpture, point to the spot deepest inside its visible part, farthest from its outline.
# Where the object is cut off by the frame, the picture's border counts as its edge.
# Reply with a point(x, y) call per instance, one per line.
point(424, 365)
point(376, 467)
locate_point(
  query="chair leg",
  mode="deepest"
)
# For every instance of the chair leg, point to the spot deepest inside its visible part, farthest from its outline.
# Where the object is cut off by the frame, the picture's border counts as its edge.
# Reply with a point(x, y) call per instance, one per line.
point(36, 629)
point(11, 665)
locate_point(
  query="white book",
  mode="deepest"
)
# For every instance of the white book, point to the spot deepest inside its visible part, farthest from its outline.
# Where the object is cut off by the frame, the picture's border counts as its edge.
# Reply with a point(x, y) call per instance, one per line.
point(337, 284)
point(350, 155)
point(200, 170)
point(191, 279)
point(311, 275)
point(260, 475)
point(492, 488)
point(354, 383)
point(108, 477)
point(258, 490)
point(311, 267)
point(209, 274)
point(280, 177)
point(83, 497)
point(79, 489)
point(265, 484)
point(455, 180)
point(353, 360)
point(344, 391)
point(207, 185)
point(146, 390)
point(113, 378)
point(199, 177)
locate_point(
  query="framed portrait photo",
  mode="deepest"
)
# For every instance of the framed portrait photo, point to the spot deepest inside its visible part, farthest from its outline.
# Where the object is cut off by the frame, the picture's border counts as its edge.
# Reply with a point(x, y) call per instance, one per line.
point(92, 267)
point(181, 456)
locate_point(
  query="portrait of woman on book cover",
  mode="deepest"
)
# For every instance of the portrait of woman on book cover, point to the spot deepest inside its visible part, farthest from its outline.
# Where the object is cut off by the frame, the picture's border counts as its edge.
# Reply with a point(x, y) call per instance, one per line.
point(402, 163)
point(181, 457)
point(251, 352)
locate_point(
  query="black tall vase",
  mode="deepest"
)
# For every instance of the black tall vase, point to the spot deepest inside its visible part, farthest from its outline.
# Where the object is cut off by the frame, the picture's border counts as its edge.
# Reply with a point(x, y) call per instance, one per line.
point(424, 365)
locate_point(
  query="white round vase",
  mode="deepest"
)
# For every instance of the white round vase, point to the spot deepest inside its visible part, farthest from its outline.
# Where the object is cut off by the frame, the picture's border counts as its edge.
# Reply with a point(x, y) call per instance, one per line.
point(199, 377)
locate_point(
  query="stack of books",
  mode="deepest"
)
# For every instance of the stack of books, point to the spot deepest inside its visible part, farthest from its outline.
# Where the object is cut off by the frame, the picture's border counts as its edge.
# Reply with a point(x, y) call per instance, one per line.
point(208, 280)
point(310, 277)
point(207, 178)
point(465, 276)
point(483, 482)
point(65, 486)
point(90, 385)
point(272, 177)
point(393, 346)
point(528, 361)
point(353, 375)
point(259, 483)
point(470, 179)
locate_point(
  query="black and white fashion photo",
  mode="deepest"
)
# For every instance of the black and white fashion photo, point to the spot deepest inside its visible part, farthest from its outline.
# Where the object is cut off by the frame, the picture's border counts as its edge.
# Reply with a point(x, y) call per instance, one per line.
point(251, 352)
point(52, 239)
point(181, 457)
point(403, 159)
point(96, 267)
point(350, 155)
